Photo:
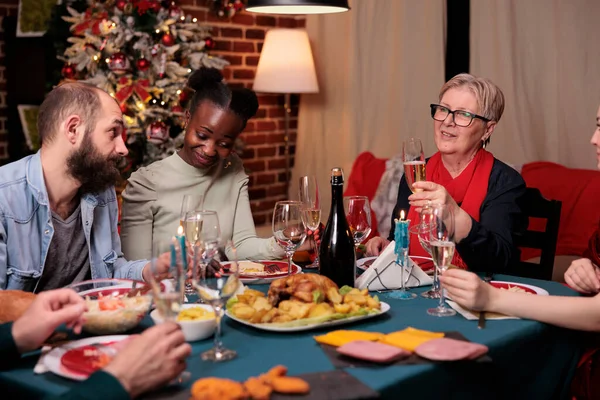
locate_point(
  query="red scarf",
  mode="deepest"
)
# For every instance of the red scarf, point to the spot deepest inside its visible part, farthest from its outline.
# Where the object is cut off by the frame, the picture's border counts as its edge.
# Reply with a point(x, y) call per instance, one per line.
point(593, 250)
point(468, 190)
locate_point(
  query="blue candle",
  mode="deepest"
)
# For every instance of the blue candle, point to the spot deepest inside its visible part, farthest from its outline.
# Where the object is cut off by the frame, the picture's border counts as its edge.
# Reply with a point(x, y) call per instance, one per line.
point(401, 235)
point(181, 238)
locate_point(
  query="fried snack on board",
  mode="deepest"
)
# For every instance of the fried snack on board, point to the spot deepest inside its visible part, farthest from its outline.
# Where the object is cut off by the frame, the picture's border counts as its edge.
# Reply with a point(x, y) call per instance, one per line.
point(13, 304)
point(289, 385)
point(218, 389)
point(258, 389)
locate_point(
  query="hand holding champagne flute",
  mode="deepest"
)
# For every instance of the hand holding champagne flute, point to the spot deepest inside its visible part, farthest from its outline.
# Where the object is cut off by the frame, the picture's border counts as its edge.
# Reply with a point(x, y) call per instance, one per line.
point(414, 162)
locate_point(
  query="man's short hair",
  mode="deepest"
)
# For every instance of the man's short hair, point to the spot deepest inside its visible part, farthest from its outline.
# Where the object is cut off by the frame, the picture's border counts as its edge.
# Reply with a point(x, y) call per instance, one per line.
point(64, 100)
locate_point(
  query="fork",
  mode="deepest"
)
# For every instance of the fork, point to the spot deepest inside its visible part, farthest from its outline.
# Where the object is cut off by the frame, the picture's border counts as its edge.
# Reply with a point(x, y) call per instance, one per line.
point(481, 323)
point(272, 268)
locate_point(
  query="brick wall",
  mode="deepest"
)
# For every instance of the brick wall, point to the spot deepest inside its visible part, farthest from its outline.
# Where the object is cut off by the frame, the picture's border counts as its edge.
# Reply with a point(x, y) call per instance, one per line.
point(7, 7)
point(239, 40)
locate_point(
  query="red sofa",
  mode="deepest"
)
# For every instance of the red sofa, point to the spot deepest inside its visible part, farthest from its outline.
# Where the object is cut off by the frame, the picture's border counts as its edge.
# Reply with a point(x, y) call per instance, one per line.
point(578, 189)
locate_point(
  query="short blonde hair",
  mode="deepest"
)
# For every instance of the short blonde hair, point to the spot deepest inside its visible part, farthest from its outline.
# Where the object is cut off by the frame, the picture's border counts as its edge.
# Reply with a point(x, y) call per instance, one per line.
point(490, 98)
point(66, 99)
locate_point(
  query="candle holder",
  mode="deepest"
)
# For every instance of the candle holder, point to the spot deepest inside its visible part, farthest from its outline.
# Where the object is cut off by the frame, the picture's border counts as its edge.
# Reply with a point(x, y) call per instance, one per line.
point(402, 262)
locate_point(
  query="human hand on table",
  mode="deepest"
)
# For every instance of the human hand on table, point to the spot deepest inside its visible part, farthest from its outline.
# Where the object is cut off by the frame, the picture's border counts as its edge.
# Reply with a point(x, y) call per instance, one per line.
point(151, 360)
point(467, 289)
point(161, 269)
point(46, 313)
point(376, 245)
point(583, 276)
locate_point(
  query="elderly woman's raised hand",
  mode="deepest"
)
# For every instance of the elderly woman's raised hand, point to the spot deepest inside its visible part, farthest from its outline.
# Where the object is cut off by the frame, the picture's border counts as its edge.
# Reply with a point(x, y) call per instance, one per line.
point(431, 193)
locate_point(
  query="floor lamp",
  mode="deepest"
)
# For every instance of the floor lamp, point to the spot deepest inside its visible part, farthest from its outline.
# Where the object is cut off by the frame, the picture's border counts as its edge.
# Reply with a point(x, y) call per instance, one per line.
point(286, 66)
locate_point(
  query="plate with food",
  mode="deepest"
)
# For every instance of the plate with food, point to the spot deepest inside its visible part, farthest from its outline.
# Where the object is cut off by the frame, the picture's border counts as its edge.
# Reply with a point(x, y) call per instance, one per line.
point(263, 271)
point(113, 305)
point(519, 287)
point(303, 302)
point(79, 359)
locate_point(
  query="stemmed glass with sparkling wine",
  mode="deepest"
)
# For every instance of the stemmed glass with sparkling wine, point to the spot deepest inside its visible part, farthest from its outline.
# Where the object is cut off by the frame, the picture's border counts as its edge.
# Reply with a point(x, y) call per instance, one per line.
point(288, 228)
point(413, 159)
point(190, 202)
point(216, 290)
point(311, 210)
point(441, 234)
point(168, 296)
point(358, 214)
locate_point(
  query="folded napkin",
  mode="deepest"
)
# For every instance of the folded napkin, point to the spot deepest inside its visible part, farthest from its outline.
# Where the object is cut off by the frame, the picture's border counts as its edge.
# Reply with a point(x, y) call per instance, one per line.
point(474, 315)
point(341, 337)
point(384, 273)
point(410, 338)
point(41, 367)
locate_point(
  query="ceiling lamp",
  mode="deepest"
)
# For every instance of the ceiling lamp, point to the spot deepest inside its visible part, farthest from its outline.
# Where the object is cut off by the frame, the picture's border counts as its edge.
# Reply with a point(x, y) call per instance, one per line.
point(297, 6)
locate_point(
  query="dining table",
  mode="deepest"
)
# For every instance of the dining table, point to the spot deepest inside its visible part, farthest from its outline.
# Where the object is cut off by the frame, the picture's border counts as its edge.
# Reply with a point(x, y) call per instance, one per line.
point(526, 359)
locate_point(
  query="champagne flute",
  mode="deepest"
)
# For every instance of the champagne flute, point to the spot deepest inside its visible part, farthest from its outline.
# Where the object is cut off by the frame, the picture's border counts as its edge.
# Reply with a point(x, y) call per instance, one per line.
point(414, 162)
point(288, 228)
point(358, 214)
point(422, 230)
point(216, 290)
point(190, 202)
point(441, 235)
point(311, 213)
point(168, 296)
point(202, 225)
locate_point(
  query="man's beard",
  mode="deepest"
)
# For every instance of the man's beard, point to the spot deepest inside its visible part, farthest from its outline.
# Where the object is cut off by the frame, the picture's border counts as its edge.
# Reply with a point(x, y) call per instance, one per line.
point(91, 169)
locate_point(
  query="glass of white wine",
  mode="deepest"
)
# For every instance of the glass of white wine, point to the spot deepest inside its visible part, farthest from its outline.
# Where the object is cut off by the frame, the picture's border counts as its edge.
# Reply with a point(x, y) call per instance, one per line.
point(358, 215)
point(288, 228)
point(441, 234)
point(190, 203)
point(168, 294)
point(311, 212)
point(216, 290)
point(414, 162)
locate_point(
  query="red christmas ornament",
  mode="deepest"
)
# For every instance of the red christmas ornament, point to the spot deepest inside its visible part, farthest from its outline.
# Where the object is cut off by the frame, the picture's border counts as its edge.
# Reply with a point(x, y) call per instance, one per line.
point(68, 71)
point(121, 4)
point(183, 96)
point(123, 108)
point(177, 109)
point(174, 11)
point(142, 64)
point(118, 63)
point(209, 43)
point(238, 5)
point(157, 132)
point(168, 39)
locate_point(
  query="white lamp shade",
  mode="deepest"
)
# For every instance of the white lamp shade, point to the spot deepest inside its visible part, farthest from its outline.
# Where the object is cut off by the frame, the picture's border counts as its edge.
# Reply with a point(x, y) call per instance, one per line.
point(286, 63)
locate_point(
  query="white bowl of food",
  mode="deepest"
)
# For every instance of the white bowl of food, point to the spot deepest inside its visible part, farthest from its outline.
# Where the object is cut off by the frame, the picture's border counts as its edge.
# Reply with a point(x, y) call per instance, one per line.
point(113, 305)
point(197, 321)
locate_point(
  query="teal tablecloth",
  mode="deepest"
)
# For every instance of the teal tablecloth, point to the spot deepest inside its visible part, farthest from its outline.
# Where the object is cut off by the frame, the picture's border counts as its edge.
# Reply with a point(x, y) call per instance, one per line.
point(530, 360)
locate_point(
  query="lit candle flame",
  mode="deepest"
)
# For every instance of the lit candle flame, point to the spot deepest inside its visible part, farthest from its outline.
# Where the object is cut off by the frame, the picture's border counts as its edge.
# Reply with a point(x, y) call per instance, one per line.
point(401, 215)
point(180, 230)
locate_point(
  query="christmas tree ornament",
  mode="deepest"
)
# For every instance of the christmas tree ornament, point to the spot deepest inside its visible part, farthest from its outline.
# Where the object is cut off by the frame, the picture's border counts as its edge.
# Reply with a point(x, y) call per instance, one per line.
point(209, 43)
point(121, 4)
point(68, 71)
point(174, 11)
point(142, 64)
point(157, 132)
point(168, 39)
point(184, 96)
point(118, 63)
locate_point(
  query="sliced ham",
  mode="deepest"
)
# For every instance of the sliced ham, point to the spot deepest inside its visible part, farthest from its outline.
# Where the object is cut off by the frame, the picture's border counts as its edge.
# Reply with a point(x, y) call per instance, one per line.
point(373, 351)
point(445, 349)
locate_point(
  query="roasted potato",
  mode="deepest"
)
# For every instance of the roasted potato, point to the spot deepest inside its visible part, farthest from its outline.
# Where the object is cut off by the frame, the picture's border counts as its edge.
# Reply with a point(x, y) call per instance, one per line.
point(355, 298)
point(321, 310)
point(373, 303)
point(261, 303)
point(334, 295)
point(254, 293)
point(258, 315)
point(342, 308)
point(242, 311)
point(246, 298)
point(268, 317)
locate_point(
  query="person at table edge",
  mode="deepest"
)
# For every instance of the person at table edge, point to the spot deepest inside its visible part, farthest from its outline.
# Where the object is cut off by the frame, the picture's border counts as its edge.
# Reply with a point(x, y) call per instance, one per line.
point(58, 207)
point(482, 191)
point(147, 362)
point(205, 165)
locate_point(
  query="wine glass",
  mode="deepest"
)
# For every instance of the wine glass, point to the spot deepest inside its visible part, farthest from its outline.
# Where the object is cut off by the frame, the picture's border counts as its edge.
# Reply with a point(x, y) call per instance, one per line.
point(216, 290)
point(413, 159)
point(168, 296)
point(190, 202)
point(358, 215)
point(441, 234)
point(288, 228)
point(202, 225)
point(422, 230)
point(311, 212)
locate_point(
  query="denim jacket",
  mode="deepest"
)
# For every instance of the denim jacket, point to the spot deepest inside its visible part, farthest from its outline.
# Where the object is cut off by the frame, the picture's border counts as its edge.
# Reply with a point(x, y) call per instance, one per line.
point(26, 229)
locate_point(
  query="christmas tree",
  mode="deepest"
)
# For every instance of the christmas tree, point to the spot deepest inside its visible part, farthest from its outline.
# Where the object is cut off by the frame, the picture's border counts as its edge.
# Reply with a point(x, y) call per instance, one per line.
point(141, 52)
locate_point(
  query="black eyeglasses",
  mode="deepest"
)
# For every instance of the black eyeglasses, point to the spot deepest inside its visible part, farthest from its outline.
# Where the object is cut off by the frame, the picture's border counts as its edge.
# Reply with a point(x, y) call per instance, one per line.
point(460, 117)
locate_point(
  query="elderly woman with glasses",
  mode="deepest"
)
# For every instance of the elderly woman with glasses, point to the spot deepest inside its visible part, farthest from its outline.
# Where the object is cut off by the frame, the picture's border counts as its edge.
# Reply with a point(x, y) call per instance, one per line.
point(481, 191)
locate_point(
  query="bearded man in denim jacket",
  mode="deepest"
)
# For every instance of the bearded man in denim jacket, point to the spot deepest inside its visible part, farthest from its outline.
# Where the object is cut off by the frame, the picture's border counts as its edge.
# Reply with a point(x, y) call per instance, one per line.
point(58, 207)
